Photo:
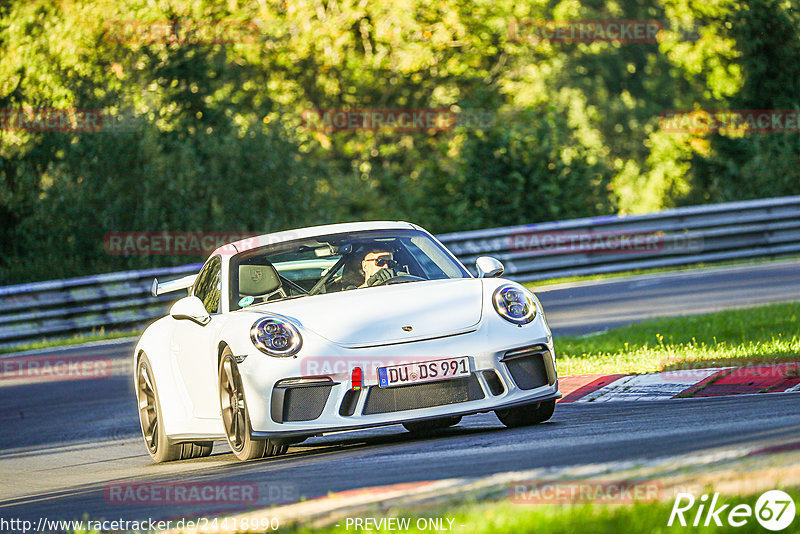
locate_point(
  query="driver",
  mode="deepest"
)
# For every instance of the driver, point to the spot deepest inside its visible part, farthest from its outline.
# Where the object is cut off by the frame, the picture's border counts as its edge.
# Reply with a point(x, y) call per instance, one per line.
point(378, 267)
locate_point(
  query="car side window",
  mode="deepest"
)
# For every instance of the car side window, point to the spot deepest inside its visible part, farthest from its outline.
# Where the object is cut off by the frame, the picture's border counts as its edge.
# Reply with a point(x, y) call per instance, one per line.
point(208, 285)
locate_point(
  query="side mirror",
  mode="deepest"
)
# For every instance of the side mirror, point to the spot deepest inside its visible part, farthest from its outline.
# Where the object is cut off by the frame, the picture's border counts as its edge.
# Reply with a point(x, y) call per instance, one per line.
point(488, 267)
point(190, 308)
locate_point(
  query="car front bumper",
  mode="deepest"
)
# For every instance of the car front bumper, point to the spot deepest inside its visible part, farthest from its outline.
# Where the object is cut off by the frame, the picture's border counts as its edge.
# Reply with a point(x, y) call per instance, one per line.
point(310, 395)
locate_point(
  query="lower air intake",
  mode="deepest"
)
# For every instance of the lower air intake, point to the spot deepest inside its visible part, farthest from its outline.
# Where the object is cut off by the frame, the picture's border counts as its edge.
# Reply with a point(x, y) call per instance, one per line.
point(398, 399)
point(493, 381)
point(530, 367)
point(299, 403)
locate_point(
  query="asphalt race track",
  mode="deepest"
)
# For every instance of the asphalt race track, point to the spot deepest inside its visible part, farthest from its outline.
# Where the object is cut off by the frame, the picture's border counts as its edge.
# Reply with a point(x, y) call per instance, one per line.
point(591, 306)
point(66, 445)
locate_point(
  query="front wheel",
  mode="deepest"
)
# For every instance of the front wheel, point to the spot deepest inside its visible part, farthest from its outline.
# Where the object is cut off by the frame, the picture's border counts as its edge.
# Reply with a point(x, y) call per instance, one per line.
point(530, 414)
point(235, 416)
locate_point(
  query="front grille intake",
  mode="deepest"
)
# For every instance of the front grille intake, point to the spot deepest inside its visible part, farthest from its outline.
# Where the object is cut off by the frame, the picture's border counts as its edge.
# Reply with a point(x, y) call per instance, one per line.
point(530, 367)
point(496, 387)
point(299, 400)
point(349, 403)
point(427, 395)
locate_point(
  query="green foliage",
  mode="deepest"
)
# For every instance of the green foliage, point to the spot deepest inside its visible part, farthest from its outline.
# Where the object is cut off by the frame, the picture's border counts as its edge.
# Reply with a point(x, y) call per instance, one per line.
point(755, 165)
point(211, 134)
point(528, 169)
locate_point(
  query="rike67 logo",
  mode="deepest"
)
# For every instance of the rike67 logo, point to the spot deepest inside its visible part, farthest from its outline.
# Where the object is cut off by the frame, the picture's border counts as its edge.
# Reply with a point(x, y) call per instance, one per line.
point(774, 510)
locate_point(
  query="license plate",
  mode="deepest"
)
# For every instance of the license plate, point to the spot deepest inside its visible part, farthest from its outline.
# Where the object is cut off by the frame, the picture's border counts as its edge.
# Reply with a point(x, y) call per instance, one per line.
point(415, 373)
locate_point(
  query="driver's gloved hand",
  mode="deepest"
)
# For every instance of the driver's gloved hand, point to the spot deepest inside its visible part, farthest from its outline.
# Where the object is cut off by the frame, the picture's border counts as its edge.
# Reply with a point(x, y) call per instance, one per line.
point(380, 277)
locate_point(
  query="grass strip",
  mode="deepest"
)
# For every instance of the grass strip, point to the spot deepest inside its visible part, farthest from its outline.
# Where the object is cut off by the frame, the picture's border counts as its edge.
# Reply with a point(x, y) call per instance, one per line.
point(77, 339)
point(740, 337)
point(512, 518)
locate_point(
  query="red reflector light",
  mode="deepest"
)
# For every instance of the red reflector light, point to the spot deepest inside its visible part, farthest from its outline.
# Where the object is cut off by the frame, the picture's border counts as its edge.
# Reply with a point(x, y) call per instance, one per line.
point(356, 378)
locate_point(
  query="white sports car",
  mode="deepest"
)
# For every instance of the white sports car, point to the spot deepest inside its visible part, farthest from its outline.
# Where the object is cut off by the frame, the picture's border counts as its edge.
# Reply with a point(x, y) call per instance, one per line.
point(299, 333)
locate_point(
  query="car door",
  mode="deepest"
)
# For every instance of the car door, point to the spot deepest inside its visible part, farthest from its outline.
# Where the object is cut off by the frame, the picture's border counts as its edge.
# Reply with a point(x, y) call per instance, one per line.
point(194, 346)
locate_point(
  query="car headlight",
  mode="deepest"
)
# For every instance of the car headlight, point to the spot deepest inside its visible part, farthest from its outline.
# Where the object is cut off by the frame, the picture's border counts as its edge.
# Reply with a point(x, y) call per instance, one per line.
point(276, 337)
point(514, 304)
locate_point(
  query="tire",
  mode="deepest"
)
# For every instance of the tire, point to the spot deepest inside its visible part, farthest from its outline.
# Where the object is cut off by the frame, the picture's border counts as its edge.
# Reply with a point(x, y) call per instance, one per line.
point(236, 417)
point(159, 446)
point(418, 427)
point(530, 414)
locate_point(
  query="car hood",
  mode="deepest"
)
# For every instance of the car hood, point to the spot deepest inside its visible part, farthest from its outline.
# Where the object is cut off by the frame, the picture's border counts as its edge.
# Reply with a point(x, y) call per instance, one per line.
point(377, 315)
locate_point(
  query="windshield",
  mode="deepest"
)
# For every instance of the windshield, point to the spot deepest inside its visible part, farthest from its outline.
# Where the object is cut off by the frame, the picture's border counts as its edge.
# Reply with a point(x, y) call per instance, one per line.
point(338, 262)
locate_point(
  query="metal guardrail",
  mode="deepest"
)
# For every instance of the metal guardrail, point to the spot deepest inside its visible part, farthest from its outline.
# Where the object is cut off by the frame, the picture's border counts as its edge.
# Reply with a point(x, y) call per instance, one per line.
point(114, 301)
point(683, 236)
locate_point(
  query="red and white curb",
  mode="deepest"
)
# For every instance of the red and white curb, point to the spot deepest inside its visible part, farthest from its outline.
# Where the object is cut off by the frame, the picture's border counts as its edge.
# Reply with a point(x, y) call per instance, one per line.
point(715, 382)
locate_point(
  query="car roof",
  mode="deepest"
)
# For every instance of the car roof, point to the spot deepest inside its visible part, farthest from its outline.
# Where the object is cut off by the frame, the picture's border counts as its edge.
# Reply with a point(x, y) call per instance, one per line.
point(304, 233)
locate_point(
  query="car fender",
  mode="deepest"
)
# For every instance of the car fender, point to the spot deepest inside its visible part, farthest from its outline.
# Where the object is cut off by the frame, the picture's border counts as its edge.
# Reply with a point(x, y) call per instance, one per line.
point(497, 328)
point(175, 409)
point(236, 333)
